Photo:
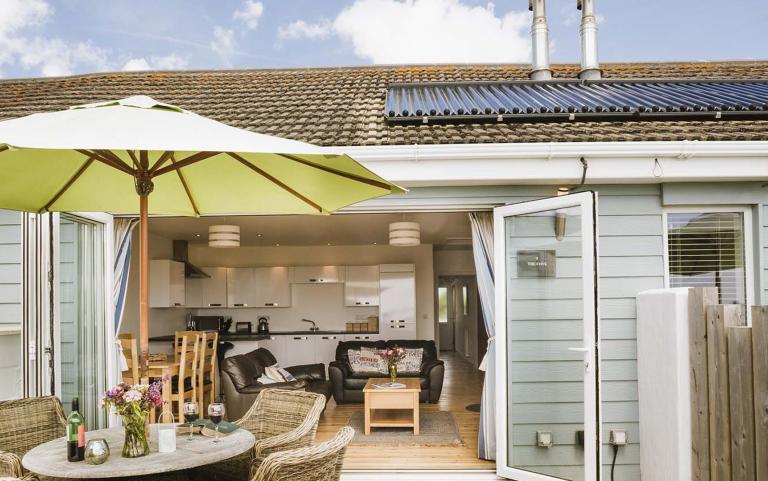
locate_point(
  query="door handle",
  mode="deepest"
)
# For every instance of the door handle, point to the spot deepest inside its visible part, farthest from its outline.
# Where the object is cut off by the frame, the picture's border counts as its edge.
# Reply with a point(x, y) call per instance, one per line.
point(583, 350)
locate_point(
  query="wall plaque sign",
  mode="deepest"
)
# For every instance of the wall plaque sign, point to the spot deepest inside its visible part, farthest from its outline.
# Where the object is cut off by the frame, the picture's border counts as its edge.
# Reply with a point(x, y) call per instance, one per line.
point(536, 263)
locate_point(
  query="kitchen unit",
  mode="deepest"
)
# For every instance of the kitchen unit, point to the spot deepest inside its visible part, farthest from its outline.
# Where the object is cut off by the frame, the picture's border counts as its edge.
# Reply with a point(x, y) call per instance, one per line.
point(361, 286)
point(258, 287)
point(168, 285)
point(318, 274)
point(397, 301)
point(207, 291)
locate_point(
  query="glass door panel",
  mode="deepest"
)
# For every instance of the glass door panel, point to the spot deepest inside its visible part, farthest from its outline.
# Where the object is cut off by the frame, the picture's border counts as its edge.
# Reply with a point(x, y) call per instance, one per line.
point(545, 264)
point(81, 353)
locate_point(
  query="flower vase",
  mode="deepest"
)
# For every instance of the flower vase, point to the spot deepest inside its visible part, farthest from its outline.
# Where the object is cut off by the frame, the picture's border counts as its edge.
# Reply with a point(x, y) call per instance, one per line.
point(136, 444)
point(393, 373)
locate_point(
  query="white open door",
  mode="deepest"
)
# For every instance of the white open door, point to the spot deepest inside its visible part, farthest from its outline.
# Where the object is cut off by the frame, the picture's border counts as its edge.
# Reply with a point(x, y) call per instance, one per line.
point(548, 398)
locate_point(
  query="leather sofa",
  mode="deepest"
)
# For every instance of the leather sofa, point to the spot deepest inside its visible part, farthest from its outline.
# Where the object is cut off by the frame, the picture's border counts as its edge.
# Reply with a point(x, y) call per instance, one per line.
point(348, 385)
point(240, 385)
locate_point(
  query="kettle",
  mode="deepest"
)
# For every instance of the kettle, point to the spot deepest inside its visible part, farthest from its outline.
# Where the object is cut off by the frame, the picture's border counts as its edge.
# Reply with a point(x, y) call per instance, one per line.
point(263, 327)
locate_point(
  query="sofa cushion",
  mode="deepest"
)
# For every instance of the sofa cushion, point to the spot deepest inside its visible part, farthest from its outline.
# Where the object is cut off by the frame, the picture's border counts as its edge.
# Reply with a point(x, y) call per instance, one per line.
point(429, 348)
point(411, 362)
point(366, 360)
point(243, 369)
point(342, 349)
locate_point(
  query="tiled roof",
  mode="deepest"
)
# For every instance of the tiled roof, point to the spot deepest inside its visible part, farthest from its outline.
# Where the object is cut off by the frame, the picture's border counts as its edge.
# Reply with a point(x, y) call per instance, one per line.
point(345, 105)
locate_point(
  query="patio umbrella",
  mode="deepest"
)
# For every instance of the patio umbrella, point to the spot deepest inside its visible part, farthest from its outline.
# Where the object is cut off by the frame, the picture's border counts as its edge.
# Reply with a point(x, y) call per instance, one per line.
point(110, 156)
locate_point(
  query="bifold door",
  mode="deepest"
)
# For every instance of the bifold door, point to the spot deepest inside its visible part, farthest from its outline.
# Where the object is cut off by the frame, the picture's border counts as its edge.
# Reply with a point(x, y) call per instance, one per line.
point(547, 339)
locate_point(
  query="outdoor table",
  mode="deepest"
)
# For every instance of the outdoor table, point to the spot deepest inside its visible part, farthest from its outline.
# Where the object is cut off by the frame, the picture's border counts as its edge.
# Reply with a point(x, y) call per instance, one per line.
point(50, 459)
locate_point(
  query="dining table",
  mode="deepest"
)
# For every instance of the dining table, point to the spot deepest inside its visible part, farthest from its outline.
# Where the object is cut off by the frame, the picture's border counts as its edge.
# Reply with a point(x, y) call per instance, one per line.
point(50, 459)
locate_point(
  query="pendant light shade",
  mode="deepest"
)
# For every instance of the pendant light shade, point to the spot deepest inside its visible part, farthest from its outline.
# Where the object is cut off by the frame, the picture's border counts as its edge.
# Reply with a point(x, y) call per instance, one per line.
point(404, 234)
point(224, 236)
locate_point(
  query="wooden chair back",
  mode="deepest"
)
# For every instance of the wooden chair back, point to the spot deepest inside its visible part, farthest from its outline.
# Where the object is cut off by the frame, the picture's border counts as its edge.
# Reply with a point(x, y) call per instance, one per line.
point(178, 335)
point(131, 354)
point(188, 352)
point(207, 382)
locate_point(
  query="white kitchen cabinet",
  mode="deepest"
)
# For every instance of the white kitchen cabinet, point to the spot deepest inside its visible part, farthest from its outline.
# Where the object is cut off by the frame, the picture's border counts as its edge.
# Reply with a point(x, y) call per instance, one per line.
point(361, 286)
point(318, 274)
point(301, 349)
point(363, 337)
point(167, 284)
point(277, 345)
point(241, 287)
point(208, 291)
point(273, 286)
point(325, 348)
point(397, 303)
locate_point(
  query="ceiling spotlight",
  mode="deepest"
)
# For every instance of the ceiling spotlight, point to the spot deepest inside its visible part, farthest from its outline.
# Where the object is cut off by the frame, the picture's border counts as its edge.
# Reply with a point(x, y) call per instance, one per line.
point(277, 245)
point(258, 235)
point(197, 235)
point(563, 191)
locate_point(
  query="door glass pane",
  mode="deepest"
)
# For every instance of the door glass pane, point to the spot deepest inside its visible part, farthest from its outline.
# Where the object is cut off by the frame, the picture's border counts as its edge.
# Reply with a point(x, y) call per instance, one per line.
point(544, 319)
point(10, 304)
point(707, 250)
point(81, 353)
point(442, 305)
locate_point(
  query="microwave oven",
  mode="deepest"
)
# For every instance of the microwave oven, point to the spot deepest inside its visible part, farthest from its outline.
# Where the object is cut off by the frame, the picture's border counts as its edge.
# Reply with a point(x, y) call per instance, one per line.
point(210, 323)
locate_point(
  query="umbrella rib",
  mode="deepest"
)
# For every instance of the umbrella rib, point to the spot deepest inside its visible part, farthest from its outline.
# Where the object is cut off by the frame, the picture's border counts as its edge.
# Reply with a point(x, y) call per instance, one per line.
point(186, 187)
point(275, 181)
point(107, 161)
point(144, 159)
point(69, 183)
point(185, 162)
point(358, 178)
point(112, 156)
point(135, 161)
point(160, 161)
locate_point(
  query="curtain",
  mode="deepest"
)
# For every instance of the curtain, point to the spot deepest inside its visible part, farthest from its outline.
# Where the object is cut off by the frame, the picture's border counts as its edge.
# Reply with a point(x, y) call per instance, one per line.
point(482, 250)
point(122, 252)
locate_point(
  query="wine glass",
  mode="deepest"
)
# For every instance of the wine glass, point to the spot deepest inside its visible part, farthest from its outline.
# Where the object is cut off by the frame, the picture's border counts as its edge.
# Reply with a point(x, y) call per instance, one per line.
point(216, 413)
point(191, 411)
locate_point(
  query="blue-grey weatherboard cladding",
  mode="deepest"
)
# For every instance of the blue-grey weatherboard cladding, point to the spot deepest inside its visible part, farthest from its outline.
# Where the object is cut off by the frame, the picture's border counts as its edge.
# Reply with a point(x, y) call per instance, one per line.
point(574, 100)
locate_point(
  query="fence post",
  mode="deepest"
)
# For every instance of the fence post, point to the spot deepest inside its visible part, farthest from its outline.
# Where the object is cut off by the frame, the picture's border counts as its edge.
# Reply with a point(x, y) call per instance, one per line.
point(719, 318)
point(760, 371)
point(698, 300)
point(742, 409)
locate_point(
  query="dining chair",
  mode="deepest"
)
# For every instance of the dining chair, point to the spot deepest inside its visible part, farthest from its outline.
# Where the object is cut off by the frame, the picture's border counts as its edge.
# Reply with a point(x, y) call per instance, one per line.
point(280, 420)
point(206, 371)
point(131, 354)
point(184, 385)
point(178, 336)
point(320, 462)
point(25, 424)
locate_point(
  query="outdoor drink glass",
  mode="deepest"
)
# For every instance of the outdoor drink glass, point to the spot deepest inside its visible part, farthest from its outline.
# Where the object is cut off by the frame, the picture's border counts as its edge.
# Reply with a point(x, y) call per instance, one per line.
point(216, 413)
point(191, 411)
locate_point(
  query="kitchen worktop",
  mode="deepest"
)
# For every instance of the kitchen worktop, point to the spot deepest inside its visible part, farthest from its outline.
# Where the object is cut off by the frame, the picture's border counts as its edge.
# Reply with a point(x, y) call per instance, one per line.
point(233, 336)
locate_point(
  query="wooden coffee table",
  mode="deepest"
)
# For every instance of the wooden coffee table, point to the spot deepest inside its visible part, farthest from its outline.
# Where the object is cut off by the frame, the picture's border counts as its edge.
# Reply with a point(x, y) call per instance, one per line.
point(392, 407)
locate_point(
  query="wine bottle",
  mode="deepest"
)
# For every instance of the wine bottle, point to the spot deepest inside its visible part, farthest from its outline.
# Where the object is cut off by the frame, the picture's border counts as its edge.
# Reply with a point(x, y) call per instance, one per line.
point(75, 433)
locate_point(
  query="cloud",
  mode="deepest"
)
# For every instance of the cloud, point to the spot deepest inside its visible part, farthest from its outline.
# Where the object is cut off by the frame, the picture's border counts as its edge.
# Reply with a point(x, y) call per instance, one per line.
point(223, 43)
point(250, 13)
point(168, 62)
point(301, 29)
point(50, 56)
point(425, 31)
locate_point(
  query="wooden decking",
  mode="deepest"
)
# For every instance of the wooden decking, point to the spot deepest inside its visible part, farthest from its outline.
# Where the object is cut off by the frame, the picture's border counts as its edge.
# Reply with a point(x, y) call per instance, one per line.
point(462, 386)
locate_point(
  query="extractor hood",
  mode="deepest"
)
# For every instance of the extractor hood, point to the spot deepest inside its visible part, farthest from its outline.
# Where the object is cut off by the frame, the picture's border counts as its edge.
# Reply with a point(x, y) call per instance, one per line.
point(181, 254)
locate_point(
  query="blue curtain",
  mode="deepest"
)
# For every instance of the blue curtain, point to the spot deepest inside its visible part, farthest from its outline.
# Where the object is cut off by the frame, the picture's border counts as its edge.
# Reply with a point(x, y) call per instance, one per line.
point(122, 252)
point(482, 249)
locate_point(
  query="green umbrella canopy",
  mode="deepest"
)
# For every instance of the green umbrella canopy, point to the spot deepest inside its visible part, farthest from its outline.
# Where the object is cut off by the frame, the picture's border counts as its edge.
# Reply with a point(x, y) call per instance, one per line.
point(138, 155)
point(88, 158)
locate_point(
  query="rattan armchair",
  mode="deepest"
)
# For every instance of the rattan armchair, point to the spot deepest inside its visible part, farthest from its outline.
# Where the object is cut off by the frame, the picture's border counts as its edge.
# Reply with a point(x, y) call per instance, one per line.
point(280, 420)
point(24, 424)
point(321, 462)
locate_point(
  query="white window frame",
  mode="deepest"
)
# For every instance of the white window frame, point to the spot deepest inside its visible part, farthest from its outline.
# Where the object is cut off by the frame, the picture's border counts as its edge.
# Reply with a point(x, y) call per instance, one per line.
point(749, 253)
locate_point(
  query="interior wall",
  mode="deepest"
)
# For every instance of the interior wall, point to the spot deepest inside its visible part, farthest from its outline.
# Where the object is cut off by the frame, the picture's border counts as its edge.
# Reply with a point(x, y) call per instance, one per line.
point(289, 318)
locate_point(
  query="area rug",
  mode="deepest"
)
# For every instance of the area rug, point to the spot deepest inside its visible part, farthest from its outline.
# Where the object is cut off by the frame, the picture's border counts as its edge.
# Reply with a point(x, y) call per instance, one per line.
point(435, 429)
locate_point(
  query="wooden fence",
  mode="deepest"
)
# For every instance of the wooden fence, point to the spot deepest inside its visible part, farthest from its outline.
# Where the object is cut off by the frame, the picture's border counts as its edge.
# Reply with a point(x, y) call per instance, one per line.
point(729, 390)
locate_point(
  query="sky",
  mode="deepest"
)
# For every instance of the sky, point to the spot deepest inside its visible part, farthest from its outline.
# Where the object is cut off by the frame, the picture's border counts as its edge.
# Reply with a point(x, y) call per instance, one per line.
point(66, 37)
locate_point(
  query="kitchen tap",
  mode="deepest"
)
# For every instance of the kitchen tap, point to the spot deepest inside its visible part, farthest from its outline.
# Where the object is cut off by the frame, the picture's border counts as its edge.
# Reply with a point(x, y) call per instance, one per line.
point(314, 327)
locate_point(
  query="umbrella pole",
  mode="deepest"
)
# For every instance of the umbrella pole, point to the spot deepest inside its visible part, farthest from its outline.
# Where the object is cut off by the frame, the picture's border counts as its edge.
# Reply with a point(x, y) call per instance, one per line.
point(144, 279)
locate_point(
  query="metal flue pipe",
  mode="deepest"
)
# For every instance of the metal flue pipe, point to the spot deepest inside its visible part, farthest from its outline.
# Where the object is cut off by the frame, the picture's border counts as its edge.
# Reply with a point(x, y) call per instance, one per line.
point(540, 69)
point(590, 68)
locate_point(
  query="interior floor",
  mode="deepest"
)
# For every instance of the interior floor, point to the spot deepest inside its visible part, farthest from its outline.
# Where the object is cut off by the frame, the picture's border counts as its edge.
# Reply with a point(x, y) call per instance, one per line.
point(462, 386)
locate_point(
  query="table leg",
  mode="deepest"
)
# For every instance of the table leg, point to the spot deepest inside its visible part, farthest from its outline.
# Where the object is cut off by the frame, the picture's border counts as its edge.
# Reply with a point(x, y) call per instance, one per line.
point(367, 410)
point(415, 414)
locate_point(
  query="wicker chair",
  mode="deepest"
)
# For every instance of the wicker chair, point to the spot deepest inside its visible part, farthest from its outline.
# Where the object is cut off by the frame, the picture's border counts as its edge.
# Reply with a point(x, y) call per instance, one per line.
point(280, 420)
point(321, 462)
point(24, 424)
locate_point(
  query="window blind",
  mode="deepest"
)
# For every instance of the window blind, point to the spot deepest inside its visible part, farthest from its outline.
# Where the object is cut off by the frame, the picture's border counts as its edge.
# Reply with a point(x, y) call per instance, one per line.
point(707, 250)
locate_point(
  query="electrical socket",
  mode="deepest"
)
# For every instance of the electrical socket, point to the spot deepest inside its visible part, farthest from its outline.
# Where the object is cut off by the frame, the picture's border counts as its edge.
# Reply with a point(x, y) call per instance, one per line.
point(618, 437)
point(544, 439)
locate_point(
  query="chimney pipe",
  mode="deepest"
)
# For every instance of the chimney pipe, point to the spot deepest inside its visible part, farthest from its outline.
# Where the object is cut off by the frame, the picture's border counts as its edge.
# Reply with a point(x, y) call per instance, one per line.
point(540, 39)
point(590, 68)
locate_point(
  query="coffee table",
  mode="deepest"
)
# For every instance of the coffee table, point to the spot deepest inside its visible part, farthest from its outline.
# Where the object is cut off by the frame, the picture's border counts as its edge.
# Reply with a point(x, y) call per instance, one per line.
point(392, 407)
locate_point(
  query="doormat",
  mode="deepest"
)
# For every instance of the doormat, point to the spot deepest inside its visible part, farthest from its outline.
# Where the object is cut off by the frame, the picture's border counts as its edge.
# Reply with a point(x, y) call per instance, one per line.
point(435, 429)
